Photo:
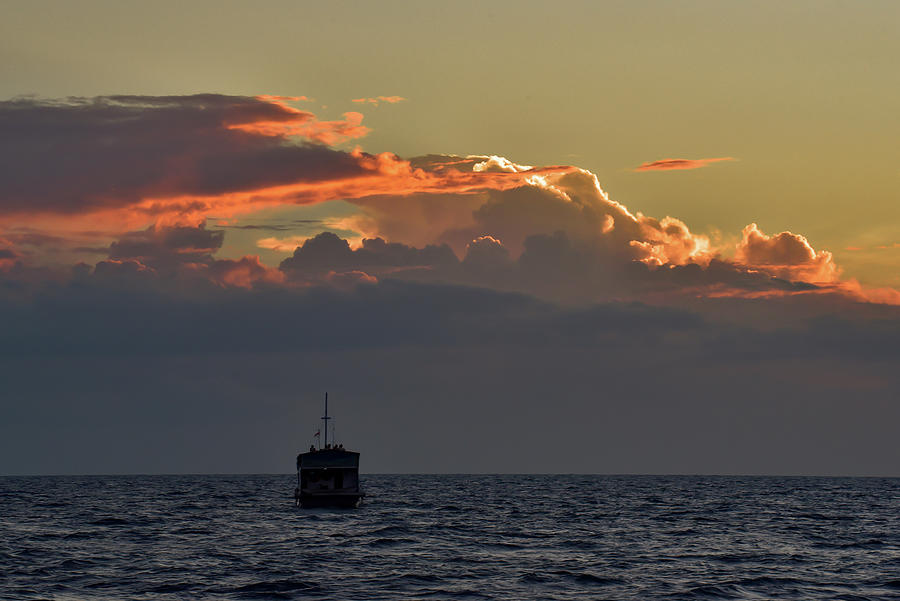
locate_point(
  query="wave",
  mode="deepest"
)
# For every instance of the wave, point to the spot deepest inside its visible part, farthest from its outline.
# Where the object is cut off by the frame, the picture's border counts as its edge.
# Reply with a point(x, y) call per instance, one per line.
point(642, 538)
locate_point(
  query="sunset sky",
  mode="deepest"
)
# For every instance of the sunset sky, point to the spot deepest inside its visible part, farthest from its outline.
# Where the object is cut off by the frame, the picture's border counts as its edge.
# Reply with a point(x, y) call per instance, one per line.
point(591, 237)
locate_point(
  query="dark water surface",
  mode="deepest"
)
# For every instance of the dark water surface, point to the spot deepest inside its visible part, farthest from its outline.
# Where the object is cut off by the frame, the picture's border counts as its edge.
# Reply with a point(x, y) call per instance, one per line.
point(443, 537)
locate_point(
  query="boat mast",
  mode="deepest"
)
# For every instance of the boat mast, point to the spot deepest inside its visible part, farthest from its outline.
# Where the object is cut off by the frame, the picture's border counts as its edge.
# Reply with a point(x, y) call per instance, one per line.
point(325, 419)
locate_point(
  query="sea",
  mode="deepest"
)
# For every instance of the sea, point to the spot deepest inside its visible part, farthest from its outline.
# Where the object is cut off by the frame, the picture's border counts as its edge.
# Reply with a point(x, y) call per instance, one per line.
point(451, 537)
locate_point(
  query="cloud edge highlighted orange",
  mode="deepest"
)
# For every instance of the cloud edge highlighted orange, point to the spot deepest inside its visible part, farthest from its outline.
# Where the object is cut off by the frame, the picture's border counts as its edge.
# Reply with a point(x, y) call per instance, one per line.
point(679, 164)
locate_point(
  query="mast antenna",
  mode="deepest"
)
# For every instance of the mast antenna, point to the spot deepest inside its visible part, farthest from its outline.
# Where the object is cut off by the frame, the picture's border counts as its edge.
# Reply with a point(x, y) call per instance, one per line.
point(325, 419)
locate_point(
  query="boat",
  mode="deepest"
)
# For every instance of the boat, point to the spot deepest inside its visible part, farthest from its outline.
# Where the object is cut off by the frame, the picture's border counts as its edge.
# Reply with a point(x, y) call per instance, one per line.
point(328, 475)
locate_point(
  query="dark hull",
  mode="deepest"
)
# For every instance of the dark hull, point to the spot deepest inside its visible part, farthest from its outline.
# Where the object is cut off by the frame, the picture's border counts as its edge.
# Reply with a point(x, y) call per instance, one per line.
point(326, 500)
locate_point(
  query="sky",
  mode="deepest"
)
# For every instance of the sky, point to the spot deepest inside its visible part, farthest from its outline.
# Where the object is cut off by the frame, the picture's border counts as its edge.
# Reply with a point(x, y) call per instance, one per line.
point(604, 237)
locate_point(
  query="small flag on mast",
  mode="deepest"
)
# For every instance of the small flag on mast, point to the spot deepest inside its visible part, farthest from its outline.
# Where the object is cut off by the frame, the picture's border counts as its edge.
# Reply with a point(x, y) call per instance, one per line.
point(316, 435)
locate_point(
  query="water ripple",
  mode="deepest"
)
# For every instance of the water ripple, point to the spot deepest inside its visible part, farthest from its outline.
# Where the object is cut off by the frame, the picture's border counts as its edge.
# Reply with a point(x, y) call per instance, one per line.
point(451, 537)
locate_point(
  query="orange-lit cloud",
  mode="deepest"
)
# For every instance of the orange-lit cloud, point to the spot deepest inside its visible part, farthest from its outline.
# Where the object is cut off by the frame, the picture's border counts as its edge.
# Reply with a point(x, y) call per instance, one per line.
point(245, 272)
point(379, 99)
point(496, 164)
point(383, 174)
point(678, 164)
point(91, 160)
point(145, 173)
point(285, 245)
point(175, 160)
point(286, 121)
point(305, 125)
point(885, 296)
point(275, 98)
point(785, 255)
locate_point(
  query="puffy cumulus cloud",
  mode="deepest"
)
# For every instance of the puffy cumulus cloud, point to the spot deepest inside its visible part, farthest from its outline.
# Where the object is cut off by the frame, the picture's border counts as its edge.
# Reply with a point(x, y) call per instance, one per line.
point(416, 219)
point(127, 277)
point(114, 269)
point(605, 250)
point(486, 263)
point(551, 267)
point(514, 215)
point(680, 164)
point(245, 272)
point(180, 255)
point(570, 201)
point(497, 164)
point(167, 246)
point(486, 251)
point(327, 255)
point(669, 242)
point(184, 278)
point(785, 255)
point(321, 254)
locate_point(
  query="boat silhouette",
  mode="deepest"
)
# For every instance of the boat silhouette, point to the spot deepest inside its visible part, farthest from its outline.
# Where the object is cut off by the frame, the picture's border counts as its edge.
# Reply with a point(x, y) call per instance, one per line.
point(327, 476)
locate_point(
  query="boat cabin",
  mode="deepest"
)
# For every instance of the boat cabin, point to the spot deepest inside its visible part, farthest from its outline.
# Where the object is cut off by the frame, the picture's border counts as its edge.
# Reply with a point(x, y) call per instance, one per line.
point(329, 477)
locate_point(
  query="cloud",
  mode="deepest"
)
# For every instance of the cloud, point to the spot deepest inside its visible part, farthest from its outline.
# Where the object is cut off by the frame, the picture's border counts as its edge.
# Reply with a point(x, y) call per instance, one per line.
point(87, 156)
point(349, 280)
point(677, 164)
point(178, 255)
point(547, 201)
point(496, 164)
point(604, 239)
point(144, 173)
point(121, 162)
point(271, 227)
point(379, 99)
point(246, 272)
point(785, 255)
point(166, 246)
point(486, 252)
point(328, 254)
point(304, 124)
point(8, 256)
point(392, 312)
point(276, 98)
point(551, 267)
point(282, 244)
point(875, 247)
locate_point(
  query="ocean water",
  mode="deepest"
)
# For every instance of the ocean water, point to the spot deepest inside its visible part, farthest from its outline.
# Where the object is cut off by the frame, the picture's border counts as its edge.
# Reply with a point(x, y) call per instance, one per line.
point(451, 537)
